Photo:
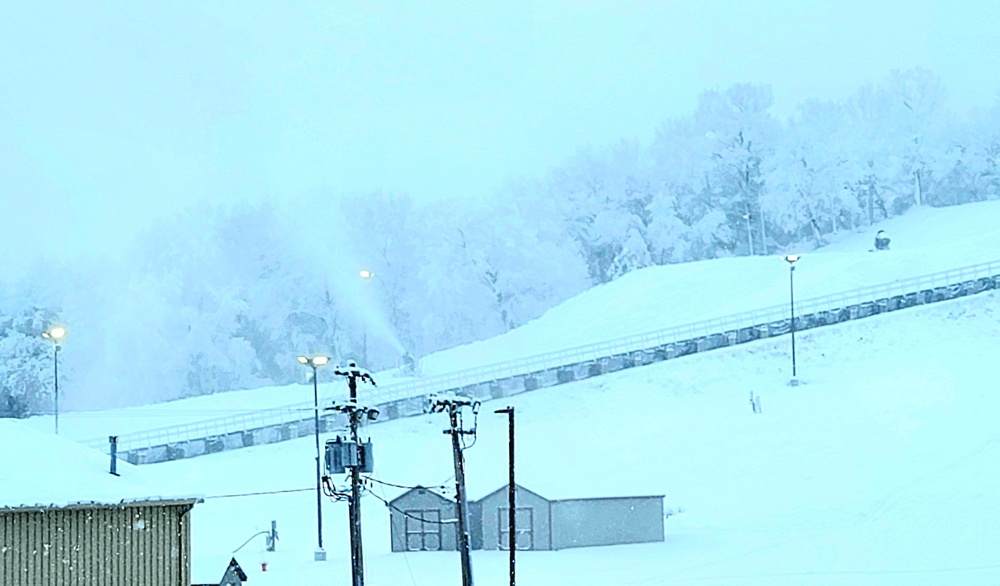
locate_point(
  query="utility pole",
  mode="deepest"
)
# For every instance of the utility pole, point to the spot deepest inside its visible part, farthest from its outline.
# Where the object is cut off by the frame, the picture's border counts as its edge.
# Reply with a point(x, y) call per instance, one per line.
point(354, 414)
point(453, 405)
point(511, 490)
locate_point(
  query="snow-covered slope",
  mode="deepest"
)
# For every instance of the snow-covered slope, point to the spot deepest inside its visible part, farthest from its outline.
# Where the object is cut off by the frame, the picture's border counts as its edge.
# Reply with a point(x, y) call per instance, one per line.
point(923, 241)
point(879, 469)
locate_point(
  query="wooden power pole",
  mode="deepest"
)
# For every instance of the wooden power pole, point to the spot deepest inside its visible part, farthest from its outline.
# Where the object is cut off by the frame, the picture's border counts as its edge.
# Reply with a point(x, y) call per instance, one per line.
point(453, 405)
point(360, 460)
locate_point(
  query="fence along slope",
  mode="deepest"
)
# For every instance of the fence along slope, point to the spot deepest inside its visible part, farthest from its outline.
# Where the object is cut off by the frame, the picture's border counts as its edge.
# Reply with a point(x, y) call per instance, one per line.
point(925, 289)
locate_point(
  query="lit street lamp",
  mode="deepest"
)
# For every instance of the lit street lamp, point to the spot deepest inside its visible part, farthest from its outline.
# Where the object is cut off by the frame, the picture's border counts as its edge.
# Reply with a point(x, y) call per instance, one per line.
point(366, 275)
point(747, 217)
point(315, 362)
point(791, 259)
point(56, 334)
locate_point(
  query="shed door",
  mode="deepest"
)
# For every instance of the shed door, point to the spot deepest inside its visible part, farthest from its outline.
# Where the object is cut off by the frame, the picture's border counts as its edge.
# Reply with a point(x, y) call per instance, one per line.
point(524, 527)
point(423, 529)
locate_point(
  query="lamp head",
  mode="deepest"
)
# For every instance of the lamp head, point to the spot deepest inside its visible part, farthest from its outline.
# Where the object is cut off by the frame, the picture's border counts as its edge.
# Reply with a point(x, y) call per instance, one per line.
point(792, 258)
point(315, 361)
point(55, 333)
point(366, 274)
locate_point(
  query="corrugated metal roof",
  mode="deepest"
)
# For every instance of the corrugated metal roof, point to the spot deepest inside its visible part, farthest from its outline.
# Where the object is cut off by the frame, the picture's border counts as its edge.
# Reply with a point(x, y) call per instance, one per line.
point(155, 501)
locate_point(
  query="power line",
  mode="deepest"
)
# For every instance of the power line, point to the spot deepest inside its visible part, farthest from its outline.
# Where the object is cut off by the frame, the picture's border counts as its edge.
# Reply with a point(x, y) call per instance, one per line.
point(440, 486)
point(406, 558)
point(406, 514)
point(230, 496)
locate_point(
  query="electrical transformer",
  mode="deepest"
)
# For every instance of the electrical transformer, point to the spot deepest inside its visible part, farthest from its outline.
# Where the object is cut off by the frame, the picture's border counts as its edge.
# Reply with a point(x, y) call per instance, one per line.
point(343, 454)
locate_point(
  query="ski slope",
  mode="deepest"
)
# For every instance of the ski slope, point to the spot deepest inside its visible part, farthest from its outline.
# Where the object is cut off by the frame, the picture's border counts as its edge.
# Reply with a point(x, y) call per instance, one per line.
point(926, 240)
point(880, 469)
point(923, 241)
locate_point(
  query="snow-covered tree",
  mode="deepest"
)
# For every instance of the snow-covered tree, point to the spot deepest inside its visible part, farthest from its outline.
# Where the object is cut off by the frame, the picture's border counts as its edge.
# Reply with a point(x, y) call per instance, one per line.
point(526, 264)
point(26, 367)
point(740, 135)
point(808, 195)
point(604, 197)
point(918, 98)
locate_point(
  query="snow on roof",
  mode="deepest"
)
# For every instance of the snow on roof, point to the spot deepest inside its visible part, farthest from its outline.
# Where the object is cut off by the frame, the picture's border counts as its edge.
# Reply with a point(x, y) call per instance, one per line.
point(419, 488)
point(45, 470)
point(556, 491)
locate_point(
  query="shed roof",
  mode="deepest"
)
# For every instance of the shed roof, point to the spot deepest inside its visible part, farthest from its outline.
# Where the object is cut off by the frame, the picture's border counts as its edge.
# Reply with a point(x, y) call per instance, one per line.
point(520, 486)
point(565, 481)
point(420, 488)
point(43, 470)
point(504, 490)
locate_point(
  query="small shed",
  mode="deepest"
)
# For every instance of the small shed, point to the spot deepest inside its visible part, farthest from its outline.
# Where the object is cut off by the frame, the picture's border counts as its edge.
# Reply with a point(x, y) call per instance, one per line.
point(422, 520)
point(64, 519)
point(541, 523)
point(532, 520)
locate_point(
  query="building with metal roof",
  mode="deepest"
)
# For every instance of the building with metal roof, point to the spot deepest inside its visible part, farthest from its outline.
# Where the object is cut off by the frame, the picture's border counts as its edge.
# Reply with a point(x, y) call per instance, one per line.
point(66, 520)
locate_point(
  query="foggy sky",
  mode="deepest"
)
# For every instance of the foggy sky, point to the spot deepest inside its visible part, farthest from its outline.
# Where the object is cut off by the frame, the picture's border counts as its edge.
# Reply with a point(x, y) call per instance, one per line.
point(115, 114)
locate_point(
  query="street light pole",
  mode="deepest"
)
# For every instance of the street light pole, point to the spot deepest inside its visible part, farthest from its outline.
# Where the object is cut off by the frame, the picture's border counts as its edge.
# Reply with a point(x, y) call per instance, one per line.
point(315, 362)
point(55, 364)
point(746, 217)
point(56, 335)
point(791, 259)
point(366, 276)
point(319, 494)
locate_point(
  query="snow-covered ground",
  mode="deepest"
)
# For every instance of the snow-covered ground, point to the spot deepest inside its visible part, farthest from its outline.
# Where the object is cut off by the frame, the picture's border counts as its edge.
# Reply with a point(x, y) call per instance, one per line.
point(881, 468)
point(925, 240)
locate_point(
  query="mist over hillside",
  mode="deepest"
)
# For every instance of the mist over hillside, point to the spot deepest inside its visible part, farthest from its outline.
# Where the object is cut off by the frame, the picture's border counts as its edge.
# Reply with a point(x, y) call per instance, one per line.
point(221, 297)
